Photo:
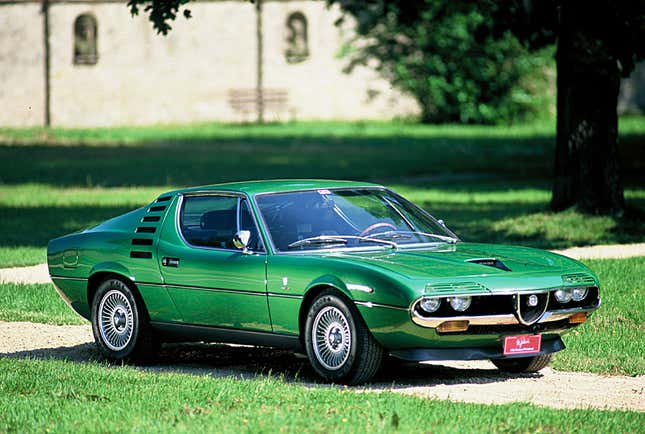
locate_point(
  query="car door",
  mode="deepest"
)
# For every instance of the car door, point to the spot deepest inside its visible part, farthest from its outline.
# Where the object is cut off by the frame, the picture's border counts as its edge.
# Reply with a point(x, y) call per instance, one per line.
point(211, 282)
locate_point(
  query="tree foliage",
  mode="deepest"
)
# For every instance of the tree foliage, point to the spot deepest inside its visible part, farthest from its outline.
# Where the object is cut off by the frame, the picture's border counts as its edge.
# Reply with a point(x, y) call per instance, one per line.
point(451, 56)
point(160, 12)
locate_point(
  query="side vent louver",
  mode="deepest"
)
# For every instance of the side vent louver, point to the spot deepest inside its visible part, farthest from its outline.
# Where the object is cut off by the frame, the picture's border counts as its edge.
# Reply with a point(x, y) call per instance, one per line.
point(456, 287)
point(142, 255)
point(141, 242)
point(578, 279)
point(146, 230)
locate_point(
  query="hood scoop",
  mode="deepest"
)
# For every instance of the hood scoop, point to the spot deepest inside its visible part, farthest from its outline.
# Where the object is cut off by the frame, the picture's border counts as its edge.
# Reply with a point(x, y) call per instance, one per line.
point(490, 262)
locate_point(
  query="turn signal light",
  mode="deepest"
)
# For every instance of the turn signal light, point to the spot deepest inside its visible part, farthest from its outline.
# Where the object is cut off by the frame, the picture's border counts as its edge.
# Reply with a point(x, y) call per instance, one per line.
point(453, 326)
point(578, 318)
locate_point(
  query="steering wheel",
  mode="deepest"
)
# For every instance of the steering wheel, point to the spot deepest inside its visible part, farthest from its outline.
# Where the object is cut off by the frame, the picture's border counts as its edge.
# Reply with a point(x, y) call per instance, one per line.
point(370, 228)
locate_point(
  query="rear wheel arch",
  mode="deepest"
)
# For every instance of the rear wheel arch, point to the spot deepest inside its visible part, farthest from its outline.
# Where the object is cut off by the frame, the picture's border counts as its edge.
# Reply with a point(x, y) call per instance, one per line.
point(99, 277)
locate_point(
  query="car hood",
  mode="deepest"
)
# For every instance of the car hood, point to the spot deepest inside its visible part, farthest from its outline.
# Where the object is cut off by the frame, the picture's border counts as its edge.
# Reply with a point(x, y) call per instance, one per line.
point(462, 259)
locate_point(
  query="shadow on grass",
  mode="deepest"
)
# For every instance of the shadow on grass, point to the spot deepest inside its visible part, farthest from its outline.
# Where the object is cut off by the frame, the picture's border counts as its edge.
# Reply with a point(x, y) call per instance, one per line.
point(34, 227)
point(217, 360)
point(204, 161)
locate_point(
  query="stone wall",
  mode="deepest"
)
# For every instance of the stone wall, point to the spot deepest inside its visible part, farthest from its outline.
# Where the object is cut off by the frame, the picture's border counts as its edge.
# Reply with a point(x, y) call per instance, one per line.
point(188, 76)
point(22, 69)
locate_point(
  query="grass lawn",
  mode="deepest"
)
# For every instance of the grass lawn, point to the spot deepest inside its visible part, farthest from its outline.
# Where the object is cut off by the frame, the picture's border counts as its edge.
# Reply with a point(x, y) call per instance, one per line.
point(612, 342)
point(63, 397)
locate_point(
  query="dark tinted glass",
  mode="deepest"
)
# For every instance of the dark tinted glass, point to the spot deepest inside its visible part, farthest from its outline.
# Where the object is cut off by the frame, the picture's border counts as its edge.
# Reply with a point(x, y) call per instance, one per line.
point(212, 221)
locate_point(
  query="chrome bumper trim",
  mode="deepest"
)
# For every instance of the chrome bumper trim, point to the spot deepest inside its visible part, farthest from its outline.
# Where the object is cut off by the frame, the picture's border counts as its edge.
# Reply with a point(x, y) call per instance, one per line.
point(505, 319)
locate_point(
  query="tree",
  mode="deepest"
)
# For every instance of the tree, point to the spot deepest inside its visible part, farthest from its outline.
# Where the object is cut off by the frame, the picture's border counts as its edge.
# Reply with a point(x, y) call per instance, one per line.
point(449, 56)
point(597, 42)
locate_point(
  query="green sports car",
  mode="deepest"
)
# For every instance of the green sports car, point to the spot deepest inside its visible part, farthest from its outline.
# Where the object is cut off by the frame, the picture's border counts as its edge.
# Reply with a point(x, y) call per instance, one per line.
point(346, 272)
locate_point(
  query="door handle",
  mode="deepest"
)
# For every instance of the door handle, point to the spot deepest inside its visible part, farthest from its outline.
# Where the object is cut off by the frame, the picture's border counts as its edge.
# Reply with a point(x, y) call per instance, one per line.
point(170, 262)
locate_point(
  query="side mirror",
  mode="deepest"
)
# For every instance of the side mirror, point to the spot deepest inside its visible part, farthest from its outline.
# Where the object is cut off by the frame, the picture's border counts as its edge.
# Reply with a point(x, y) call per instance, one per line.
point(241, 241)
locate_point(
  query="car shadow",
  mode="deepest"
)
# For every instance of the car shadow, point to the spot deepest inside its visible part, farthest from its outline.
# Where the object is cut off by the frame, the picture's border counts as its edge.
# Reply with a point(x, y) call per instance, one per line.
point(245, 362)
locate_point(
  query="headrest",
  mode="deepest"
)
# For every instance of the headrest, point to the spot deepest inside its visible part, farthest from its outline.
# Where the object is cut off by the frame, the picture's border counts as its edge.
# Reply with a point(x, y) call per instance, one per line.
point(220, 220)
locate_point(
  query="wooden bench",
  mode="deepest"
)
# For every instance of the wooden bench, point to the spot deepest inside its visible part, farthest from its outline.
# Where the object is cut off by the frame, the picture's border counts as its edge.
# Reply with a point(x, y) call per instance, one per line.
point(246, 101)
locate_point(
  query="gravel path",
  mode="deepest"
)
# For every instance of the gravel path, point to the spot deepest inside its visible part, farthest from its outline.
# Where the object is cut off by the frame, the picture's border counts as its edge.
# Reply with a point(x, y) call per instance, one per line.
point(477, 382)
point(40, 274)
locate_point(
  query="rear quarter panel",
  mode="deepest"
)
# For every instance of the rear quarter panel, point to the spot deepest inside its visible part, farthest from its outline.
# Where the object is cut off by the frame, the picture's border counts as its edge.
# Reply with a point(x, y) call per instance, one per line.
point(110, 247)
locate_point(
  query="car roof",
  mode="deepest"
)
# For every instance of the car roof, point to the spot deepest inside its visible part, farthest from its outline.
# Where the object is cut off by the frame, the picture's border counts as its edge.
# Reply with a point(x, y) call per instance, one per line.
point(274, 186)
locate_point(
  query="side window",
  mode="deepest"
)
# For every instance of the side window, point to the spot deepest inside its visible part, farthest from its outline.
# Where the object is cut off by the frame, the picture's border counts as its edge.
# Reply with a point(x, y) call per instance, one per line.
point(212, 221)
point(209, 221)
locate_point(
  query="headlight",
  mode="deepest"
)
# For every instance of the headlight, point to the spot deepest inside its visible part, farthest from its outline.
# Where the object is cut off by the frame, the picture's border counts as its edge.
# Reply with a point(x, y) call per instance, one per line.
point(430, 304)
point(578, 294)
point(460, 304)
point(563, 295)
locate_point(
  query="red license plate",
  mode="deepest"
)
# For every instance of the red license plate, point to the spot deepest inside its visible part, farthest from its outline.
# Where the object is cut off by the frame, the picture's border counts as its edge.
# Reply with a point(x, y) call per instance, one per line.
point(526, 344)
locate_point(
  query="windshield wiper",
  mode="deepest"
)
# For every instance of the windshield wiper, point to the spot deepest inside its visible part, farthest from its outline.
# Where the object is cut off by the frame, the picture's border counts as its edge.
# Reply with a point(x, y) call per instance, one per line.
point(376, 240)
point(338, 239)
point(321, 239)
point(408, 234)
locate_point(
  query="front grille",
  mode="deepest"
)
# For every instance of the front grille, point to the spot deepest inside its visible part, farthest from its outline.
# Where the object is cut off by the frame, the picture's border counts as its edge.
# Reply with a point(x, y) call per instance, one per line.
point(481, 305)
point(529, 314)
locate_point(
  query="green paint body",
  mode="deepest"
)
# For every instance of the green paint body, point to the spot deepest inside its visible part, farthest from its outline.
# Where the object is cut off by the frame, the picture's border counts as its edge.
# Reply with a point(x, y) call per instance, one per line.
point(265, 291)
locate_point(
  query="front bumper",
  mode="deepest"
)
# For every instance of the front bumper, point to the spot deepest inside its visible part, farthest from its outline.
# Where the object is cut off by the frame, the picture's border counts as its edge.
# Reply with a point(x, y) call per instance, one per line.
point(504, 319)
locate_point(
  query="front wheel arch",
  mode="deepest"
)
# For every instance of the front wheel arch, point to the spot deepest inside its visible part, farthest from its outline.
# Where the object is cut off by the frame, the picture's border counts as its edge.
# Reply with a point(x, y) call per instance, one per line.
point(311, 294)
point(365, 353)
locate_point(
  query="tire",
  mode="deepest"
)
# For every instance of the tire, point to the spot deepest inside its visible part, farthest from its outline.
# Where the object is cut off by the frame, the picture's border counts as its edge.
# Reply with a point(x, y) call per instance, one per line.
point(522, 364)
point(340, 347)
point(119, 324)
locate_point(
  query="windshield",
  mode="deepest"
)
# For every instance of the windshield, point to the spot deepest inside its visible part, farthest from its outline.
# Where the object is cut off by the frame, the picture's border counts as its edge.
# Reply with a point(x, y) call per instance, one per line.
point(323, 219)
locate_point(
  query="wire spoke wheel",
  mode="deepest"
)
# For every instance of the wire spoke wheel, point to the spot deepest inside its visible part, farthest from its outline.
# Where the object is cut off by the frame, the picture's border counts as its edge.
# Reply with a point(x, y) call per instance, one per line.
point(331, 338)
point(116, 320)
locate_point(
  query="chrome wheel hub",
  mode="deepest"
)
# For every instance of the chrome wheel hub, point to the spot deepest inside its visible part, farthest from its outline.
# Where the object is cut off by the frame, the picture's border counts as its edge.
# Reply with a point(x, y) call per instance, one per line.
point(116, 320)
point(331, 338)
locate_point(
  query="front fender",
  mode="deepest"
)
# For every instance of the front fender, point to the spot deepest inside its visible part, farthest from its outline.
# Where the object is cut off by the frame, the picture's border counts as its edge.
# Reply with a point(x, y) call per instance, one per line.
point(332, 281)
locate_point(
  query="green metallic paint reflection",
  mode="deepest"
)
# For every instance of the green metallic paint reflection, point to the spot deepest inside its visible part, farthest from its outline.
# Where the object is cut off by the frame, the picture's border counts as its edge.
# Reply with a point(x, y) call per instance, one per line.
point(230, 289)
point(282, 314)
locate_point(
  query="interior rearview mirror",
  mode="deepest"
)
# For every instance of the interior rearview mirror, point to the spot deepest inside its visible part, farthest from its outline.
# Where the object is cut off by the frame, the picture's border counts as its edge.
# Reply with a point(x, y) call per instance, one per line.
point(241, 240)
